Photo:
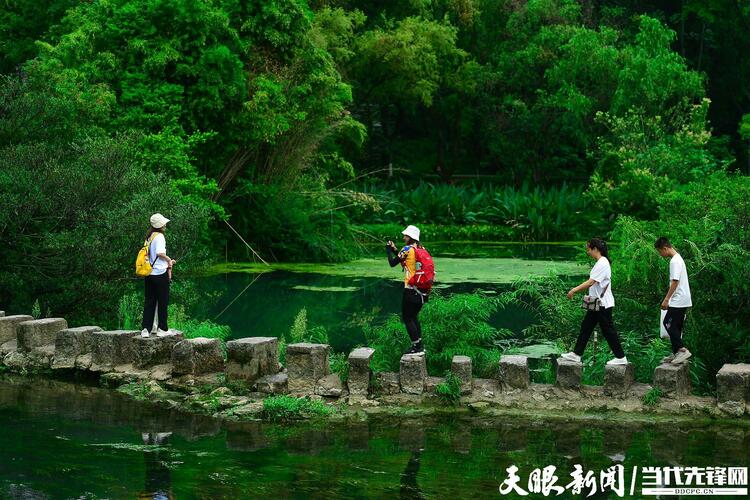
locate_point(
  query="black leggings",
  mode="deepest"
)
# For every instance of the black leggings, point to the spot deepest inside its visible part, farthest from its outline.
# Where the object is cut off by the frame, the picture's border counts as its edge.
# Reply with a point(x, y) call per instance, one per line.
point(673, 322)
point(411, 304)
point(157, 293)
point(604, 318)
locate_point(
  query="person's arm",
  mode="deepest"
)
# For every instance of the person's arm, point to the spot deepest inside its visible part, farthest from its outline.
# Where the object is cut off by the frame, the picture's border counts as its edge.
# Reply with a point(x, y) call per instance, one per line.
point(165, 257)
point(583, 286)
point(392, 253)
point(161, 250)
point(673, 284)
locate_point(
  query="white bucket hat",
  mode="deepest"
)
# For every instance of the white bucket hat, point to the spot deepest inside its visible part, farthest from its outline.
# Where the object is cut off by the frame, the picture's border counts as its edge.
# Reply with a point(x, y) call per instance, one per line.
point(158, 221)
point(412, 232)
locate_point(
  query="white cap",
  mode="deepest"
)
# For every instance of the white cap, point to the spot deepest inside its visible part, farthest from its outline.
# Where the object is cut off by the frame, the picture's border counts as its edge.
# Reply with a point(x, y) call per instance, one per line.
point(158, 221)
point(412, 232)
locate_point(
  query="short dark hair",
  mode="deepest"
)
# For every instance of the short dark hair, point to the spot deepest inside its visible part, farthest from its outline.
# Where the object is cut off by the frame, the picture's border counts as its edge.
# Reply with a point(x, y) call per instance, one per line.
point(662, 242)
point(600, 245)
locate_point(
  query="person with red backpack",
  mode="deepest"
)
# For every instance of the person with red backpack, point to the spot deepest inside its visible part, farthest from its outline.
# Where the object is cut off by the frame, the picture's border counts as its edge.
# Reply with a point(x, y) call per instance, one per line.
point(419, 276)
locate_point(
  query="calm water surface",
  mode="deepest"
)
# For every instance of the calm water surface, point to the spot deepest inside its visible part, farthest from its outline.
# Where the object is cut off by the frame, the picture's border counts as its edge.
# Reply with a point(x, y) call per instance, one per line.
point(354, 295)
point(61, 440)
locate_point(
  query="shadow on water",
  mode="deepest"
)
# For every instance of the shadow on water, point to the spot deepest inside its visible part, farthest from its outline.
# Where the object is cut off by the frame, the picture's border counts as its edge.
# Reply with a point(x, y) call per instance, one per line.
point(64, 440)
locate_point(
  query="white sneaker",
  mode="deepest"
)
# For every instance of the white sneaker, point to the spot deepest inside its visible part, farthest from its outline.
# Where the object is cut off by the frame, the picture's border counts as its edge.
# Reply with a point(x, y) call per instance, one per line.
point(681, 357)
point(571, 356)
point(618, 361)
point(668, 359)
point(145, 334)
point(162, 333)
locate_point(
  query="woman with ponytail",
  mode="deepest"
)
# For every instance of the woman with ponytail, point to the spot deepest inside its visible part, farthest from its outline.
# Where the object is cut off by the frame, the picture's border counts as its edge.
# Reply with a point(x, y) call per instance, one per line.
point(598, 303)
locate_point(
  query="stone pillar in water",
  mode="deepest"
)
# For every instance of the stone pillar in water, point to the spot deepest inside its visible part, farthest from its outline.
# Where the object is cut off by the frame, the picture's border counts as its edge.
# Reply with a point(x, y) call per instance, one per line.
point(413, 373)
point(672, 379)
point(111, 348)
point(197, 356)
point(733, 388)
point(359, 371)
point(73, 347)
point(250, 358)
point(461, 368)
point(306, 364)
point(513, 372)
point(618, 379)
point(569, 374)
point(9, 327)
point(39, 334)
point(153, 350)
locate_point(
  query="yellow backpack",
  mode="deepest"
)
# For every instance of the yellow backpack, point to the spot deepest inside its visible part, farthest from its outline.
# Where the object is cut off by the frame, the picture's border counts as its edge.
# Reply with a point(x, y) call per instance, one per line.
point(142, 264)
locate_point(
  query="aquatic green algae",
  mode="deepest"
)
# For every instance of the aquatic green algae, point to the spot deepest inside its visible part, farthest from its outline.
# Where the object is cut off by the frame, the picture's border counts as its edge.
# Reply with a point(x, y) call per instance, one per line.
point(448, 270)
point(312, 288)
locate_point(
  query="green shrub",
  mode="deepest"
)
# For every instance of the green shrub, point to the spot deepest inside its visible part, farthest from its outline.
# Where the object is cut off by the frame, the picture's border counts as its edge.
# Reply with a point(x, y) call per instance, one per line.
point(300, 332)
point(477, 212)
point(652, 397)
point(339, 363)
point(36, 311)
point(284, 408)
point(449, 391)
point(451, 325)
point(192, 329)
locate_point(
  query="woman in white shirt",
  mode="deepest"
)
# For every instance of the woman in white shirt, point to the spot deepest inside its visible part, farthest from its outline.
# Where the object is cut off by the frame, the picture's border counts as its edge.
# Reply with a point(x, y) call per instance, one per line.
point(157, 283)
point(599, 285)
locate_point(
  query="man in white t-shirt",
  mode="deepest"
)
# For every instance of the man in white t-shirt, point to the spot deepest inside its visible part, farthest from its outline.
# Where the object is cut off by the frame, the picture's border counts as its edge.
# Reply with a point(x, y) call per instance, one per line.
point(676, 302)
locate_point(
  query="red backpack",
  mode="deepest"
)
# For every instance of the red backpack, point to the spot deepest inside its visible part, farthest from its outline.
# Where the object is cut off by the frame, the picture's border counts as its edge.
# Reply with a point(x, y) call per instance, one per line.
point(424, 278)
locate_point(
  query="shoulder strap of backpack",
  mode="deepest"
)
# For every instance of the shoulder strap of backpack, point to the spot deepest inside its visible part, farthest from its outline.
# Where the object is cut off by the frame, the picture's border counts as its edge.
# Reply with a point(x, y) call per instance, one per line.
point(149, 241)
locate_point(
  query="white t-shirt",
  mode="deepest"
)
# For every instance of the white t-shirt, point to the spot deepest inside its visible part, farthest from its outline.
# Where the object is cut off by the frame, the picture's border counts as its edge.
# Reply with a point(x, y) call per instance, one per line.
point(678, 271)
point(601, 273)
point(158, 245)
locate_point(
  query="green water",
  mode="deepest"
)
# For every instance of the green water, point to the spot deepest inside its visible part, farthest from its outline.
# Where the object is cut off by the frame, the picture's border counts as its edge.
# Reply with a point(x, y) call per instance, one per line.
point(61, 440)
point(256, 300)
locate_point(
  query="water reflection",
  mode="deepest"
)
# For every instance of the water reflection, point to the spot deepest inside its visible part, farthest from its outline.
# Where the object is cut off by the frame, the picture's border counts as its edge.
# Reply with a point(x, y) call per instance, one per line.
point(156, 458)
point(111, 447)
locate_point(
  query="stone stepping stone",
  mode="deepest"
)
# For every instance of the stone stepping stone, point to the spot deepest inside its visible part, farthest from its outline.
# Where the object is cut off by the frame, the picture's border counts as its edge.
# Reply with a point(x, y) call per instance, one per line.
point(197, 356)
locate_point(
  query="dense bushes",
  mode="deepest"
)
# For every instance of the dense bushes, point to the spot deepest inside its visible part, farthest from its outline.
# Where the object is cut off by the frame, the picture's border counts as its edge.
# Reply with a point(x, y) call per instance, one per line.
point(525, 213)
point(708, 222)
point(451, 325)
point(75, 206)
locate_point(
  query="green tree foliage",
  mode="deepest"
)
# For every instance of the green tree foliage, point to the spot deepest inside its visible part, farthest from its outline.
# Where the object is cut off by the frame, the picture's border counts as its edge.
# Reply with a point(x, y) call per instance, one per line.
point(244, 81)
point(644, 157)
point(22, 24)
point(75, 204)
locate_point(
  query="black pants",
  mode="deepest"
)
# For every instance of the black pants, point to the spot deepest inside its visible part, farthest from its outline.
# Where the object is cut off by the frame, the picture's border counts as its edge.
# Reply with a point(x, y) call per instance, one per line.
point(411, 304)
point(604, 318)
point(674, 320)
point(157, 293)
